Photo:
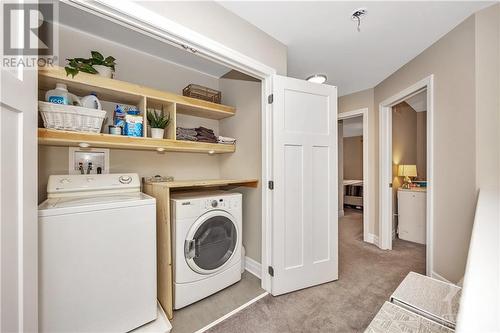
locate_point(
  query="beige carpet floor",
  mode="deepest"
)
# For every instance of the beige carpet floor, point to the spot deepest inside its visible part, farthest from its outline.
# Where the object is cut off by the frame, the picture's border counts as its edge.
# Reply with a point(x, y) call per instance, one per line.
point(200, 314)
point(367, 277)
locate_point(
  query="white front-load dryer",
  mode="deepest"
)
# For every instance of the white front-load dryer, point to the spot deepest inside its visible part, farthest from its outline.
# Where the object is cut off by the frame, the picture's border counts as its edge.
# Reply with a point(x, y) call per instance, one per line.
point(206, 234)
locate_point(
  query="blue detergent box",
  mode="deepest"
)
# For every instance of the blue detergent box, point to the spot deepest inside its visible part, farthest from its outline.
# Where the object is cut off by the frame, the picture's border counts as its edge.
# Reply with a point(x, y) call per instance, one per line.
point(133, 125)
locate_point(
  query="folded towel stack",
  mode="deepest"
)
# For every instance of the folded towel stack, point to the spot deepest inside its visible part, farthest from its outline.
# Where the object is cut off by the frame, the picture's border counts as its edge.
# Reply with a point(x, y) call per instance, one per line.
point(205, 135)
point(226, 140)
point(201, 134)
point(188, 134)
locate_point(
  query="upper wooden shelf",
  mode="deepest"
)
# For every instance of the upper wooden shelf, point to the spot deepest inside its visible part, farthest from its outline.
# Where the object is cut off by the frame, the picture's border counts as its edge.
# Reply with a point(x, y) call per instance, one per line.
point(129, 93)
point(100, 140)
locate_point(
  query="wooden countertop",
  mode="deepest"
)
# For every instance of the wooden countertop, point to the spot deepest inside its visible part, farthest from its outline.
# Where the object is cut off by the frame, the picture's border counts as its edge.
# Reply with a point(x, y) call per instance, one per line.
point(208, 183)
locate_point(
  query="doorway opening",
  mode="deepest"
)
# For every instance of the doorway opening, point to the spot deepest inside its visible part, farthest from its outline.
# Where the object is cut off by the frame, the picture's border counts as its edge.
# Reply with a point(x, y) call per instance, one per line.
point(353, 172)
point(406, 169)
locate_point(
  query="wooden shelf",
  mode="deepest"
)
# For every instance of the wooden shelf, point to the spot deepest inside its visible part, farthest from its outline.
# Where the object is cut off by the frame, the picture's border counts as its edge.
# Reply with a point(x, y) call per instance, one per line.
point(98, 140)
point(182, 184)
point(129, 93)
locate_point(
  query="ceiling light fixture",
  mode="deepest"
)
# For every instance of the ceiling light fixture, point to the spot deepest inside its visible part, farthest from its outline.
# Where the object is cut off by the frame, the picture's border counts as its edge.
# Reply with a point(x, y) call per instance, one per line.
point(317, 78)
point(356, 16)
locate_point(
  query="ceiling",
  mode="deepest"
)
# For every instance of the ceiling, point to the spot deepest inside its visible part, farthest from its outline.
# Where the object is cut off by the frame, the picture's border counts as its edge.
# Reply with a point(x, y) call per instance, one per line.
point(95, 25)
point(322, 38)
point(418, 102)
point(352, 127)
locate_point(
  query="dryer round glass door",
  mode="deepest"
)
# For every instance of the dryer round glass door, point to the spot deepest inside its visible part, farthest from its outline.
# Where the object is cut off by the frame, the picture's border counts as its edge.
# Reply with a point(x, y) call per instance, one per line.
point(211, 242)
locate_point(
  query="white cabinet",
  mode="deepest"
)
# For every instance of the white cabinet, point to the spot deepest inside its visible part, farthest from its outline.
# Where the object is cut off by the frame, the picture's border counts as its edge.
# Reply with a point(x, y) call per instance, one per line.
point(412, 215)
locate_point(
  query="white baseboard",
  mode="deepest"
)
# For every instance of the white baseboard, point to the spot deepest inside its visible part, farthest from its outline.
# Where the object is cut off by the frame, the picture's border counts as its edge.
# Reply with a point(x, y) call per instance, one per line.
point(371, 238)
point(341, 213)
point(439, 277)
point(253, 267)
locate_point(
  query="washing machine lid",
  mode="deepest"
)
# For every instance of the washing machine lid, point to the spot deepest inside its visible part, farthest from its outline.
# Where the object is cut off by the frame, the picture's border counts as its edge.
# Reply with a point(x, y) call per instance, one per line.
point(70, 205)
point(211, 242)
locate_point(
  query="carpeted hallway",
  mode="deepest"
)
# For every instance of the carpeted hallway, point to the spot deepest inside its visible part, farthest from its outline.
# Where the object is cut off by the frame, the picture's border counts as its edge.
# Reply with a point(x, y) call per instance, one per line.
point(367, 277)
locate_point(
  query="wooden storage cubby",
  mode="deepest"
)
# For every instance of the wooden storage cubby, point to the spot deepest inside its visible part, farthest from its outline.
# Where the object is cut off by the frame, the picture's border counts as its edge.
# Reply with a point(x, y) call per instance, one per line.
point(157, 104)
point(131, 94)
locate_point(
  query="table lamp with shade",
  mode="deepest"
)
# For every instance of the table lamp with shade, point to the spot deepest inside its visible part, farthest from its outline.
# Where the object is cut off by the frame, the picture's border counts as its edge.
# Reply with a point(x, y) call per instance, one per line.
point(407, 171)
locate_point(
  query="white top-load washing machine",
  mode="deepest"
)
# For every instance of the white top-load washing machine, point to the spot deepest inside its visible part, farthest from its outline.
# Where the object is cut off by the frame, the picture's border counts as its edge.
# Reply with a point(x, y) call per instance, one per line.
point(206, 244)
point(97, 254)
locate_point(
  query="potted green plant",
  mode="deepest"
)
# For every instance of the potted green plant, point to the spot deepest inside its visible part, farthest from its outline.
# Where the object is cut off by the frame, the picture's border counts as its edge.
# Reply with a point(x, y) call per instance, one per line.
point(96, 64)
point(158, 120)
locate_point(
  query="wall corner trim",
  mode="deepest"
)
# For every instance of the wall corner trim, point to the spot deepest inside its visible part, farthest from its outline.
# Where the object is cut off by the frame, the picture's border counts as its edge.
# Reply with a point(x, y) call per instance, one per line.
point(439, 277)
point(253, 267)
point(372, 238)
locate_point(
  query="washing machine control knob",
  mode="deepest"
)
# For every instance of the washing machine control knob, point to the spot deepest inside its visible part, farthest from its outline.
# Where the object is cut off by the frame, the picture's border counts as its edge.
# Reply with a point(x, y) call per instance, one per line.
point(214, 203)
point(125, 179)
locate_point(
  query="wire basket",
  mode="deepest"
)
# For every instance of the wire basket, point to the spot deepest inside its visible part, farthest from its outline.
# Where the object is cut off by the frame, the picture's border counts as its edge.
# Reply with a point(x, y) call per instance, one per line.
point(71, 118)
point(201, 92)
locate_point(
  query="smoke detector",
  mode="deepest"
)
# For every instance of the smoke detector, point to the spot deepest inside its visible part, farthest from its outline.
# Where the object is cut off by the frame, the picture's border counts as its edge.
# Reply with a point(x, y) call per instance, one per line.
point(357, 15)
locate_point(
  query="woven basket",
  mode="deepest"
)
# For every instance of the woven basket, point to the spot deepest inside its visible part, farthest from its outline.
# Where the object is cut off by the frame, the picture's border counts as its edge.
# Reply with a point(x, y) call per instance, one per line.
point(201, 92)
point(71, 118)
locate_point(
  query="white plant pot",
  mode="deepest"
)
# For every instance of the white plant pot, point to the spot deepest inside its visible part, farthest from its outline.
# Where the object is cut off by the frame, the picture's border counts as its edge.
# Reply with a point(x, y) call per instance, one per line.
point(104, 71)
point(157, 133)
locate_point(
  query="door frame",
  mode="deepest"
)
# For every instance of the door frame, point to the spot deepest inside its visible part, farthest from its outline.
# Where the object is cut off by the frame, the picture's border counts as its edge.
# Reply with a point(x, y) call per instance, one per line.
point(385, 166)
point(136, 17)
point(367, 183)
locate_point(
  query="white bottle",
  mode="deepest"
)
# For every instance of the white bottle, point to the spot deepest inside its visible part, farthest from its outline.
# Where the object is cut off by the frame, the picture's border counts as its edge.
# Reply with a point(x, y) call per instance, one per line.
point(60, 95)
point(91, 101)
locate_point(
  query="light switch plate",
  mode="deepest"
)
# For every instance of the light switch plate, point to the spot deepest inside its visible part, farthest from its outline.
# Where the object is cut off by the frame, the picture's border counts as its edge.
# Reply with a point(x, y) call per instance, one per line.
point(88, 160)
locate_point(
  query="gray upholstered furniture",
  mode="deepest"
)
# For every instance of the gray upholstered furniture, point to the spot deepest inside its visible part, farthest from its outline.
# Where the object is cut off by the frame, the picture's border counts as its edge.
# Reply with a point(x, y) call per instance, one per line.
point(392, 318)
point(419, 304)
point(431, 298)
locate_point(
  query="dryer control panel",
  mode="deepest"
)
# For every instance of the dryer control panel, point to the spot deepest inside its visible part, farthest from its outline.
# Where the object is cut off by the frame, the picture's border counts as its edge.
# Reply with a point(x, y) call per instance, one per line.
point(222, 203)
point(194, 205)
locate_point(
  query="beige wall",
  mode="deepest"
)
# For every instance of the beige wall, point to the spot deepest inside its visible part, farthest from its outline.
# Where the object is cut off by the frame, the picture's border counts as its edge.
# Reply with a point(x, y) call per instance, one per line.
point(457, 78)
point(353, 157)
point(360, 100)
point(451, 60)
point(487, 98)
point(404, 135)
point(409, 139)
point(214, 21)
point(246, 161)
point(132, 65)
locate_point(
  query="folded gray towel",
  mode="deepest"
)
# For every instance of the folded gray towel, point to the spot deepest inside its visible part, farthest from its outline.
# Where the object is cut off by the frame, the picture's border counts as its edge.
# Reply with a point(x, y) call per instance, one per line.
point(186, 131)
point(186, 137)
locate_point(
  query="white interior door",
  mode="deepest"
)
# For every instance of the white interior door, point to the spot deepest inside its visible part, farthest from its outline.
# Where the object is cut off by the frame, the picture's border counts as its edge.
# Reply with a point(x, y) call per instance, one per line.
point(18, 200)
point(305, 223)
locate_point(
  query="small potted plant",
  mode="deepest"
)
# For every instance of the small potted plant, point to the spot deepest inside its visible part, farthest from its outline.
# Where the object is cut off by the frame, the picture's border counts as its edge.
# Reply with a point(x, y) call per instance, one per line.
point(158, 120)
point(97, 64)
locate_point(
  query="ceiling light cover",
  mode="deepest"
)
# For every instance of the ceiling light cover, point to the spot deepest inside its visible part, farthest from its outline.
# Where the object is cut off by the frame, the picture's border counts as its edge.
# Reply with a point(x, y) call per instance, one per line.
point(317, 78)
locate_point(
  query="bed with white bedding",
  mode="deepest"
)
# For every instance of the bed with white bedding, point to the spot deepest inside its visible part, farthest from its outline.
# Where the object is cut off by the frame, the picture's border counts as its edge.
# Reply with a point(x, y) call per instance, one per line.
point(353, 192)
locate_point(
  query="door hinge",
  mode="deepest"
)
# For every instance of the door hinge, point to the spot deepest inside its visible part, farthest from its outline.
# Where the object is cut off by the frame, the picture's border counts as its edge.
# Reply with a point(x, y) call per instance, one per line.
point(270, 270)
point(270, 185)
point(270, 99)
point(390, 185)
